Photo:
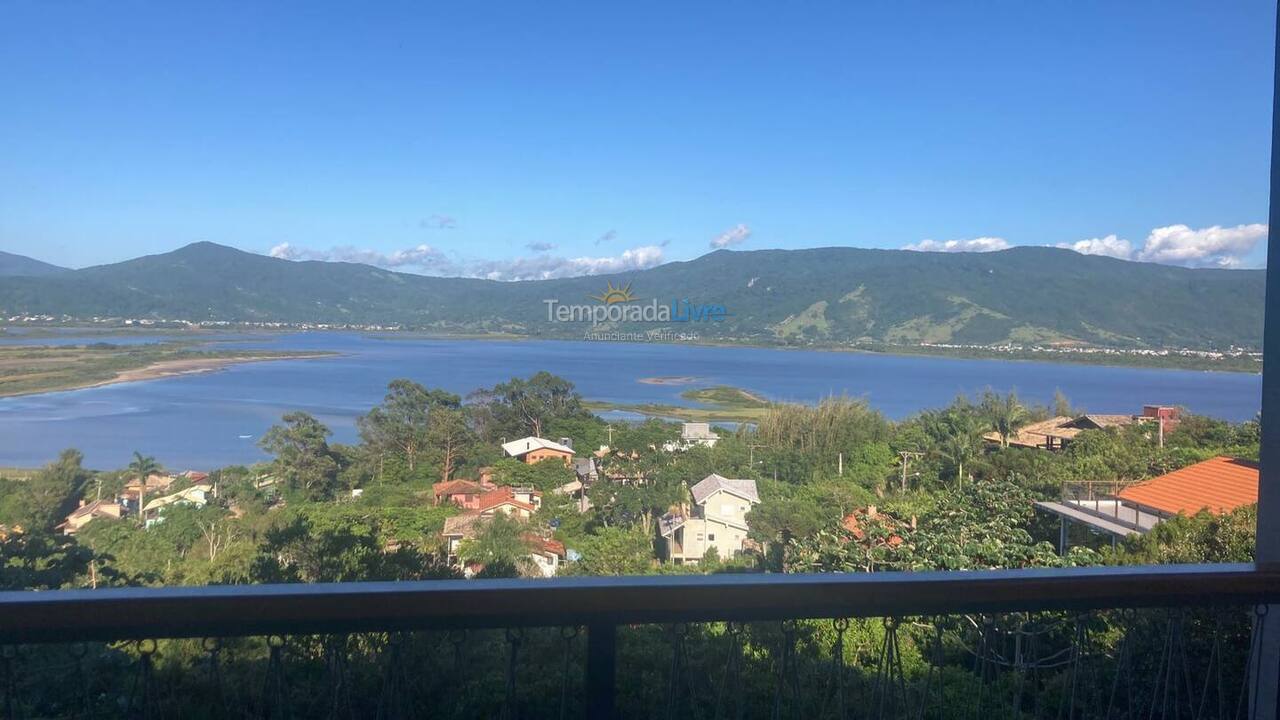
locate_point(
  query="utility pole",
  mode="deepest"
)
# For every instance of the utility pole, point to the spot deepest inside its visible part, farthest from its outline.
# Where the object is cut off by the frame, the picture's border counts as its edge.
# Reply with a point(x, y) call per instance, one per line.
point(751, 454)
point(610, 429)
point(907, 457)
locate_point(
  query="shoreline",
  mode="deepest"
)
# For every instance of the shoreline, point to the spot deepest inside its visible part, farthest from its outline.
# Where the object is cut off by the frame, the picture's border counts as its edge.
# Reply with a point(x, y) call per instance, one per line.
point(166, 369)
point(1132, 362)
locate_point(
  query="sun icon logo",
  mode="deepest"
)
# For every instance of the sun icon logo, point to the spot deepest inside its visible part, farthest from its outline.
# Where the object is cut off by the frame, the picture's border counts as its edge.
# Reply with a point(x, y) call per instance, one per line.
point(613, 294)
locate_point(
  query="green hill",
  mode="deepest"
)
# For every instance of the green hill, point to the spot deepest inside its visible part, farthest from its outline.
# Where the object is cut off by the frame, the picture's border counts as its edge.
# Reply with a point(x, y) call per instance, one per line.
point(12, 265)
point(823, 295)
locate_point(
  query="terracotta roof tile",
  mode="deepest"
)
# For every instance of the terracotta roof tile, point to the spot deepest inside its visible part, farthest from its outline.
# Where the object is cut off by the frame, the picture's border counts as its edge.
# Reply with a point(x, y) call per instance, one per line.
point(502, 496)
point(1219, 485)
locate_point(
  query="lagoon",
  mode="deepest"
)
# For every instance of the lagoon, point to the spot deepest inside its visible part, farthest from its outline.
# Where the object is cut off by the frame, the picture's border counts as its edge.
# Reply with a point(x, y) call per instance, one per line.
point(214, 419)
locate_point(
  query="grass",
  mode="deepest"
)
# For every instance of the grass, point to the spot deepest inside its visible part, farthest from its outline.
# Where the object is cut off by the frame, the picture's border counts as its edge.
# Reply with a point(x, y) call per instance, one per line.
point(721, 403)
point(26, 369)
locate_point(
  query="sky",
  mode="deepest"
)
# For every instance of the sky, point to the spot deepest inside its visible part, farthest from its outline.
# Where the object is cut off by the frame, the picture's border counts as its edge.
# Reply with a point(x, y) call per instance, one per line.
point(549, 139)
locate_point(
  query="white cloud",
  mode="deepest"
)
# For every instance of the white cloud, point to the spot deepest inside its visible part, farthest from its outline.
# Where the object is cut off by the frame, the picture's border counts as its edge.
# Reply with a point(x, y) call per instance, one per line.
point(1111, 246)
point(608, 236)
point(421, 256)
point(735, 235)
point(428, 260)
point(1215, 246)
point(982, 244)
point(285, 251)
point(541, 246)
point(544, 267)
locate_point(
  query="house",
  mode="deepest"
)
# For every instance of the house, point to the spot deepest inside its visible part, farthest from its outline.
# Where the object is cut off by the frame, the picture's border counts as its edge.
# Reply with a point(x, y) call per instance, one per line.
point(155, 483)
point(87, 512)
point(456, 529)
point(194, 496)
point(716, 520)
point(693, 434)
point(546, 555)
point(587, 469)
point(531, 449)
point(511, 501)
point(463, 493)
point(1219, 485)
point(1056, 433)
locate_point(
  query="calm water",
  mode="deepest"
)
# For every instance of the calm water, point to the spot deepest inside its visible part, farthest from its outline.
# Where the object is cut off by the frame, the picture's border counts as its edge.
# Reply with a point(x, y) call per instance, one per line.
point(213, 419)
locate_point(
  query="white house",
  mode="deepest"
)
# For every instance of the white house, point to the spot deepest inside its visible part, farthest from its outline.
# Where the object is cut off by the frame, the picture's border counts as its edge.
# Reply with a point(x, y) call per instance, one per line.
point(196, 495)
point(718, 519)
point(693, 434)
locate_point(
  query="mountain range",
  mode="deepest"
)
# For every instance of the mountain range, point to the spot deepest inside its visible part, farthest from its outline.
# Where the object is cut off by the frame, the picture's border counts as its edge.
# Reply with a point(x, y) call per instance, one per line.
point(836, 296)
point(11, 265)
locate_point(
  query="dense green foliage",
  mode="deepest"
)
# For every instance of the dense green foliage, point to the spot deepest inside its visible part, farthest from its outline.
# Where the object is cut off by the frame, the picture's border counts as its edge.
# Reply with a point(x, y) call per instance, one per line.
point(822, 295)
point(835, 494)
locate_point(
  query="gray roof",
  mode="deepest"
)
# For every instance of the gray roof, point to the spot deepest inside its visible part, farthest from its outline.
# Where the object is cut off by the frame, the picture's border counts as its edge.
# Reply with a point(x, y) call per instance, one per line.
point(712, 483)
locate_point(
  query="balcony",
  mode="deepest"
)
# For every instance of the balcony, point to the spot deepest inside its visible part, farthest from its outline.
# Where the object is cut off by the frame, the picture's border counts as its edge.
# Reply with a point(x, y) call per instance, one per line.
point(1173, 641)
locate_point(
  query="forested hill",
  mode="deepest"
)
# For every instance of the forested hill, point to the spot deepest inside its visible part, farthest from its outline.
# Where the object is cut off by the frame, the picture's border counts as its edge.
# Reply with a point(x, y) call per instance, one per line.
point(11, 264)
point(1032, 295)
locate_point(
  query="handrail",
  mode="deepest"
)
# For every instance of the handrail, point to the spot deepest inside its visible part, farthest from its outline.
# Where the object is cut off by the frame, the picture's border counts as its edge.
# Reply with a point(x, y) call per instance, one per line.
point(239, 610)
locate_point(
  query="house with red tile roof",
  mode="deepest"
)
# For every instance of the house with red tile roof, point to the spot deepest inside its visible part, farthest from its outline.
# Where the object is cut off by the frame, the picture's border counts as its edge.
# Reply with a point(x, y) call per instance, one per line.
point(463, 493)
point(516, 502)
point(1218, 485)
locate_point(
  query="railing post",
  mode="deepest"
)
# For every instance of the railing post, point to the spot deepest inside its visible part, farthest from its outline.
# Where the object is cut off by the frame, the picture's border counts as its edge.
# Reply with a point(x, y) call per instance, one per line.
point(602, 654)
point(1267, 550)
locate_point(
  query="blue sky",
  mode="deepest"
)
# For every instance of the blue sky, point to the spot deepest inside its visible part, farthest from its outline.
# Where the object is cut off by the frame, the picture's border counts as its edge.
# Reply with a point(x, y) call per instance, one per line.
point(527, 139)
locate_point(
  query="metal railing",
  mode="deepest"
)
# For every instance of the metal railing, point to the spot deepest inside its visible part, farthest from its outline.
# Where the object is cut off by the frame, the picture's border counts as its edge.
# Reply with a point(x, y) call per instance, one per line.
point(1117, 642)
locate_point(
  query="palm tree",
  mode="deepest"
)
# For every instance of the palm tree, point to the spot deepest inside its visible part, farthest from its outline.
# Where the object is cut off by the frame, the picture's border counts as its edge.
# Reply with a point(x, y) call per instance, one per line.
point(142, 467)
point(1006, 415)
point(956, 433)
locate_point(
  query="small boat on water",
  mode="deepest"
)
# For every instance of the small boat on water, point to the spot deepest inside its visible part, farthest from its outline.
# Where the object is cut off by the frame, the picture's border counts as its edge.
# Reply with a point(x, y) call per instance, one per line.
point(245, 437)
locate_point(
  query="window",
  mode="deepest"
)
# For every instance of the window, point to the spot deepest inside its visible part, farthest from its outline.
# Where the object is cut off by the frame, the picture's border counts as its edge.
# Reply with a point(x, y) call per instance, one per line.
point(711, 537)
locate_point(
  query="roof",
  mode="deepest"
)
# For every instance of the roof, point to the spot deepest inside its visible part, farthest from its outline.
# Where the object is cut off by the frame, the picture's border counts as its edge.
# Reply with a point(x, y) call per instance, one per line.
point(456, 487)
point(1106, 421)
point(516, 448)
point(502, 496)
point(193, 493)
point(92, 508)
point(1062, 427)
point(669, 523)
point(544, 545)
point(1219, 485)
point(711, 484)
point(460, 525)
point(697, 431)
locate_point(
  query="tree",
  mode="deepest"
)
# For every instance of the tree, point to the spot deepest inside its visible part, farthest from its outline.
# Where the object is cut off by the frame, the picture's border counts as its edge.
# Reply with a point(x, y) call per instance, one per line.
point(40, 561)
point(449, 436)
point(613, 551)
point(45, 498)
point(1005, 414)
point(142, 467)
point(525, 407)
point(303, 458)
point(335, 543)
point(955, 434)
point(500, 547)
point(402, 422)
